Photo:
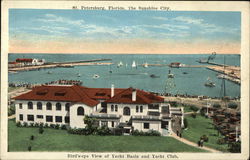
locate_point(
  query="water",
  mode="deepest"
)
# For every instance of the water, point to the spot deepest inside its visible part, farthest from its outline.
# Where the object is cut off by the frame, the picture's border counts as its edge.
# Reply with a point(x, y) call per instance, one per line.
point(191, 83)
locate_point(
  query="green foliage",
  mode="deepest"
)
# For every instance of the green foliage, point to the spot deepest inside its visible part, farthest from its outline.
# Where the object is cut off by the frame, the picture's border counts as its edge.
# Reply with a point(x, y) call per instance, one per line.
point(148, 133)
point(194, 108)
point(216, 105)
point(25, 124)
point(185, 123)
point(205, 138)
point(91, 128)
point(52, 125)
point(46, 125)
point(31, 124)
point(103, 131)
point(36, 124)
point(63, 127)
point(232, 105)
point(202, 112)
point(18, 124)
point(235, 147)
point(11, 110)
point(194, 115)
point(57, 126)
point(41, 130)
point(221, 141)
point(32, 137)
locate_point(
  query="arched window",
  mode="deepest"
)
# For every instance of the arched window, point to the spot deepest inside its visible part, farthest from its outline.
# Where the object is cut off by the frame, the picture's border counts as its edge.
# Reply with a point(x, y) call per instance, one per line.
point(141, 108)
point(137, 108)
point(67, 105)
point(126, 111)
point(58, 106)
point(30, 105)
point(116, 108)
point(39, 106)
point(49, 106)
point(80, 111)
point(112, 108)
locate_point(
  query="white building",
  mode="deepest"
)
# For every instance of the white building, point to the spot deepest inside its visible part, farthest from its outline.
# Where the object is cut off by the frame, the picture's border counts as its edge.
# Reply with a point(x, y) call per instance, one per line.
point(128, 108)
point(30, 61)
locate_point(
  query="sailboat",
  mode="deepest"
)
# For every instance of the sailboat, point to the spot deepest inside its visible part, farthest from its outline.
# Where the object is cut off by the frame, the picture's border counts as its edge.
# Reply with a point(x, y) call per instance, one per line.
point(96, 76)
point(145, 65)
point(209, 83)
point(170, 75)
point(120, 64)
point(134, 64)
point(78, 75)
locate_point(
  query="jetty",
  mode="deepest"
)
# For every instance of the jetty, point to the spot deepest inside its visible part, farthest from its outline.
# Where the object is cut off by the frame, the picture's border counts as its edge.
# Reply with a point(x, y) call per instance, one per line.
point(60, 64)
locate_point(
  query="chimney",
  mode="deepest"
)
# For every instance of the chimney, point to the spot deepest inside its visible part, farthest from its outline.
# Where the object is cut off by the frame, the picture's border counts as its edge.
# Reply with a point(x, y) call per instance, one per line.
point(112, 90)
point(134, 95)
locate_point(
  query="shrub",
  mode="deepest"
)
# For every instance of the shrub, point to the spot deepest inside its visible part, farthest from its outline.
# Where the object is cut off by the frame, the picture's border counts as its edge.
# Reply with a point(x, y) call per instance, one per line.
point(217, 105)
point(221, 141)
point(232, 105)
point(148, 133)
point(41, 125)
point(41, 130)
point(185, 123)
point(29, 148)
point(32, 137)
point(136, 132)
point(11, 110)
point(117, 131)
point(36, 125)
point(57, 126)
point(194, 108)
point(25, 124)
point(52, 125)
point(18, 124)
point(153, 133)
point(235, 147)
point(205, 138)
point(31, 124)
point(103, 131)
point(46, 125)
point(202, 112)
point(63, 127)
point(194, 115)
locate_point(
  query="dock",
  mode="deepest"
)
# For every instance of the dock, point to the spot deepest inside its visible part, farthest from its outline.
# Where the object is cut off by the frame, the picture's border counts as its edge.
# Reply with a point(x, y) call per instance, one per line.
point(61, 64)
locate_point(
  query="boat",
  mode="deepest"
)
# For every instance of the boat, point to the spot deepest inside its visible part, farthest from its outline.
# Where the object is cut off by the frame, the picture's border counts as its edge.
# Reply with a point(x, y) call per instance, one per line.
point(134, 64)
point(184, 73)
point(209, 83)
point(120, 64)
point(78, 75)
point(170, 75)
point(145, 65)
point(96, 76)
point(49, 72)
point(154, 76)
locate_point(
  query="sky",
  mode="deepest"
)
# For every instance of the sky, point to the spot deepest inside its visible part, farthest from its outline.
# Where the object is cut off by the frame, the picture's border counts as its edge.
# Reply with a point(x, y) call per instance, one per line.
point(146, 32)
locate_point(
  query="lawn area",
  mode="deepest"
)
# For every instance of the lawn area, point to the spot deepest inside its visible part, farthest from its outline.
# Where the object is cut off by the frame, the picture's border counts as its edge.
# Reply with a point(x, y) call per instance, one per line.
point(203, 126)
point(60, 140)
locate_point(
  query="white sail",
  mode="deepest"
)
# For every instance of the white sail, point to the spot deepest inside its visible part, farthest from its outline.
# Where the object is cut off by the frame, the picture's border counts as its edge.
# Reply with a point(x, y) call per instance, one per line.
point(133, 64)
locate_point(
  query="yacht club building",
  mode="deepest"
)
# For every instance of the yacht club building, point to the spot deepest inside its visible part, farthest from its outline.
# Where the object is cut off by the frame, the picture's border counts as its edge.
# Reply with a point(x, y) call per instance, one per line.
point(128, 108)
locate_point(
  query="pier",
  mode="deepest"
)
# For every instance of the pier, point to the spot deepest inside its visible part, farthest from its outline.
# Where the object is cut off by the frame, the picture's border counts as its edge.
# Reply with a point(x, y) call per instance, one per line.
point(61, 64)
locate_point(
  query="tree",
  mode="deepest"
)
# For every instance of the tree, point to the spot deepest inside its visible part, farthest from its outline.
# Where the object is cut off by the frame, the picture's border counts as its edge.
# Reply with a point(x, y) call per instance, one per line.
point(90, 125)
point(235, 147)
point(185, 123)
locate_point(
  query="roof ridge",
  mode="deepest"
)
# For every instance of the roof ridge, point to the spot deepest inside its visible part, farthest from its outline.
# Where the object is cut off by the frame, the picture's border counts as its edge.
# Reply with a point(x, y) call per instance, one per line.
point(77, 90)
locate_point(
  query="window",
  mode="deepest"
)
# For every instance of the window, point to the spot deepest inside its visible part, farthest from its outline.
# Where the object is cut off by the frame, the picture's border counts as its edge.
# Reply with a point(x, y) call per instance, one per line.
point(116, 108)
point(58, 118)
point(30, 105)
point(49, 106)
point(49, 118)
point(146, 125)
point(112, 123)
point(126, 111)
point(80, 111)
point(104, 123)
point(112, 108)
point(67, 105)
point(141, 108)
point(20, 106)
point(58, 106)
point(137, 108)
point(39, 116)
point(39, 106)
point(30, 117)
point(20, 117)
point(66, 119)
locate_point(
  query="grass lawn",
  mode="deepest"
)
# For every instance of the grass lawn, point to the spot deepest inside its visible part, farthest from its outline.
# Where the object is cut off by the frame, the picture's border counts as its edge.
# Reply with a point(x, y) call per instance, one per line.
point(60, 140)
point(203, 126)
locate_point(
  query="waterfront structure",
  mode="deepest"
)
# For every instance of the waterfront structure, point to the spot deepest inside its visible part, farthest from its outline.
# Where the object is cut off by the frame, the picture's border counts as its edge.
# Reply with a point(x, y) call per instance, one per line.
point(26, 62)
point(127, 108)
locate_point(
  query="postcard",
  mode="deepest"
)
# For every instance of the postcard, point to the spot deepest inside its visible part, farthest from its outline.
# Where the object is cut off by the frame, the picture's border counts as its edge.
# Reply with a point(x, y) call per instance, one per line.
point(124, 80)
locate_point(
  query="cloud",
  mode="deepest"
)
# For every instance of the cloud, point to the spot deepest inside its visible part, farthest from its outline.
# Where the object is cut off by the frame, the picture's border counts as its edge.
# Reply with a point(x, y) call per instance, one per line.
point(189, 20)
point(160, 18)
point(51, 18)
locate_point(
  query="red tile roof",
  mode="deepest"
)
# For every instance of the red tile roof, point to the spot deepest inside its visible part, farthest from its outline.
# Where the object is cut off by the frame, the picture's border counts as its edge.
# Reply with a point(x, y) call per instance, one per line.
point(88, 96)
point(24, 60)
point(142, 97)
